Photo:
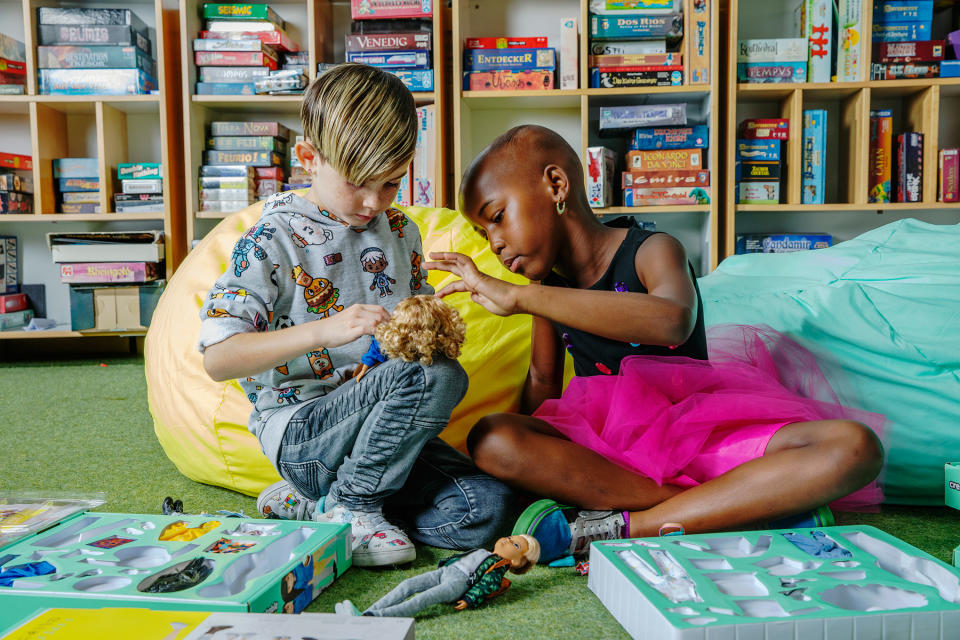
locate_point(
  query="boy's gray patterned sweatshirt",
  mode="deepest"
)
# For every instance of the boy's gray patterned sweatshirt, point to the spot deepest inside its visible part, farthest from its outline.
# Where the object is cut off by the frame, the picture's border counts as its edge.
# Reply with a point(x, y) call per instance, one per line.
point(299, 264)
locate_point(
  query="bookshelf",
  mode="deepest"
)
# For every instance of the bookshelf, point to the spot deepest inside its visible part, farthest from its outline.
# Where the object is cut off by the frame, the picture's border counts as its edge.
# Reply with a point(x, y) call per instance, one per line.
point(925, 105)
point(114, 129)
point(480, 116)
point(318, 27)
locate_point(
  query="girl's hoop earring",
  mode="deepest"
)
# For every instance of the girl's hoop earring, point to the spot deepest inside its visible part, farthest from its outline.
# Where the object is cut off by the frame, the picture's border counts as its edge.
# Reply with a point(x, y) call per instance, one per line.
point(561, 207)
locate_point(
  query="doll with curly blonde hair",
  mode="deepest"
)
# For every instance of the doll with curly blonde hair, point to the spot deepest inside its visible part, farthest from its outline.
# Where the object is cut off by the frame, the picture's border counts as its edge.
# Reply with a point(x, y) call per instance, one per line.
point(419, 328)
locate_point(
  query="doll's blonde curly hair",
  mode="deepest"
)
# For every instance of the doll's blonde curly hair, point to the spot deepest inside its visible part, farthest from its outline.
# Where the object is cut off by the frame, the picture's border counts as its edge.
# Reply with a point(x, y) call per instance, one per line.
point(421, 327)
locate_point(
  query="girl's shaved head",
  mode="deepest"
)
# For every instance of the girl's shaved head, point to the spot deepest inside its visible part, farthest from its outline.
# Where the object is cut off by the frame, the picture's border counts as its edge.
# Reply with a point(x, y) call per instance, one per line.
point(525, 151)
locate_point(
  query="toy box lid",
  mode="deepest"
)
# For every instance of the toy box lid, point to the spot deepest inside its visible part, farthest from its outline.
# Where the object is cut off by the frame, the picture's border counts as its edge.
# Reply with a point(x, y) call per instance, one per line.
point(145, 624)
point(785, 583)
point(24, 513)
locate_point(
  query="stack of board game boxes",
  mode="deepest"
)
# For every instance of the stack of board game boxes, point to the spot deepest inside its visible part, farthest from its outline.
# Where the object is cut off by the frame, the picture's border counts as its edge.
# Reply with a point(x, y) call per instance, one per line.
point(115, 278)
point(88, 51)
point(894, 176)
point(13, 66)
point(639, 43)
point(141, 186)
point(298, 178)
point(396, 36)
point(244, 161)
point(77, 182)
point(15, 311)
point(244, 49)
point(508, 64)
point(665, 159)
point(759, 167)
point(16, 183)
point(902, 45)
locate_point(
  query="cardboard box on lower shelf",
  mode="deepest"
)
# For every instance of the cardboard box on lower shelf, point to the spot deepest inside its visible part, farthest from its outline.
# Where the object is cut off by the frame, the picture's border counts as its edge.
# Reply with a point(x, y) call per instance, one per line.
point(113, 308)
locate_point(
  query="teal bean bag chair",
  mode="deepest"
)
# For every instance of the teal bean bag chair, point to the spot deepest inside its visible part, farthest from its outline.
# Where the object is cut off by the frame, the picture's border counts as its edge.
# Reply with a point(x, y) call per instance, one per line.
point(882, 314)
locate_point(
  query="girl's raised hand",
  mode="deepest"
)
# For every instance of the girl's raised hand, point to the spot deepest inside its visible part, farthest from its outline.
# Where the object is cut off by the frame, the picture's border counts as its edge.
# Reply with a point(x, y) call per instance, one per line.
point(494, 295)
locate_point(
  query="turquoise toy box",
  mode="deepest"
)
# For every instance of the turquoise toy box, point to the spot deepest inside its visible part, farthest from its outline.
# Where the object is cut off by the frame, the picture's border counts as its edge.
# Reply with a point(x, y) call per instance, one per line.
point(951, 484)
point(172, 562)
point(830, 583)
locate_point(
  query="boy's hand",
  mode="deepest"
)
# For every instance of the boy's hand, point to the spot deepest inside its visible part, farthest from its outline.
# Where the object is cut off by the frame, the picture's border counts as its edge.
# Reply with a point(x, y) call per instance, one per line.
point(494, 295)
point(351, 323)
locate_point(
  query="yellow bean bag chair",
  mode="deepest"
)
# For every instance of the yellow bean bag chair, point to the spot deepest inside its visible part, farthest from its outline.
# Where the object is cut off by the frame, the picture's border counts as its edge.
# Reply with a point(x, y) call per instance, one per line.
point(202, 424)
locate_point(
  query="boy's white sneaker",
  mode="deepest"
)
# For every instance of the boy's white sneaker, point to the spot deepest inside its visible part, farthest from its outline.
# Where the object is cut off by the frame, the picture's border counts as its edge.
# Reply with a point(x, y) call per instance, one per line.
point(376, 542)
point(281, 500)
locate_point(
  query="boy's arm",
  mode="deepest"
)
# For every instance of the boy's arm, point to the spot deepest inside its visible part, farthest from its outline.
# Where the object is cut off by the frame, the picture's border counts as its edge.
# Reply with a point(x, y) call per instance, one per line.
point(664, 316)
point(545, 376)
point(249, 353)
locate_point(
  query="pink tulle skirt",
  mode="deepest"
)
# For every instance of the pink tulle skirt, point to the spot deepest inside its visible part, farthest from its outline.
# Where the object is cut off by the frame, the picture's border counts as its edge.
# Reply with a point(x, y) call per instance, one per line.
point(682, 421)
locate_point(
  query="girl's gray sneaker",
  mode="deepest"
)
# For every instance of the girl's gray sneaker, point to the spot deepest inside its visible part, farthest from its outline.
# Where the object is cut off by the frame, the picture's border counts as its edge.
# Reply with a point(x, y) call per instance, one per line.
point(281, 500)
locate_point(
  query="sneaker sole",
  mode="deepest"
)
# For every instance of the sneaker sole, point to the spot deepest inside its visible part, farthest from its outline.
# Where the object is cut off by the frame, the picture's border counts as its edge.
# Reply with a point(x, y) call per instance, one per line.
point(382, 558)
point(264, 495)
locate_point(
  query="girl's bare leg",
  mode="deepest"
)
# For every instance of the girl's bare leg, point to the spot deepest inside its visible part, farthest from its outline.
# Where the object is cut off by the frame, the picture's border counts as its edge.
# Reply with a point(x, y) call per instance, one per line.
point(529, 454)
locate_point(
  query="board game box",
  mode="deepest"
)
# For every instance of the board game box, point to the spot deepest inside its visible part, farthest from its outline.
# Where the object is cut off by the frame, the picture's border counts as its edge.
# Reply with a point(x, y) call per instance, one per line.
point(259, 128)
point(83, 34)
point(146, 624)
point(95, 57)
point(111, 82)
point(508, 80)
point(849, 582)
point(375, 9)
point(175, 562)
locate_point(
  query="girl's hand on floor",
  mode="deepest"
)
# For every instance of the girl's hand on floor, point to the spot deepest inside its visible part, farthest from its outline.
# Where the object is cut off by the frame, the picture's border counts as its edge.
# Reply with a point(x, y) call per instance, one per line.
point(494, 295)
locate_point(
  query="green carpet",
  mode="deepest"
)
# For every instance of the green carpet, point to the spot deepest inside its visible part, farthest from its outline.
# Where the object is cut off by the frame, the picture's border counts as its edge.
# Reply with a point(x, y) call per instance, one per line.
point(81, 426)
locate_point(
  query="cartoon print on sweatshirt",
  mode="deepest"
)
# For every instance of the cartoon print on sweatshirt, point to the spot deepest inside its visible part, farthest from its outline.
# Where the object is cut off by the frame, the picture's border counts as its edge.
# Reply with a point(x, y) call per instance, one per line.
point(397, 220)
point(321, 363)
point(252, 396)
point(320, 294)
point(219, 313)
point(374, 261)
point(416, 275)
point(305, 231)
point(281, 199)
point(250, 241)
point(283, 369)
point(288, 394)
point(240, 295)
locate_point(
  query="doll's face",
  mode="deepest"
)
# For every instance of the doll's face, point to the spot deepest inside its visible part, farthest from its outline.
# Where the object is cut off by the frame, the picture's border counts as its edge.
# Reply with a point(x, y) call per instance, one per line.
point(512, 548)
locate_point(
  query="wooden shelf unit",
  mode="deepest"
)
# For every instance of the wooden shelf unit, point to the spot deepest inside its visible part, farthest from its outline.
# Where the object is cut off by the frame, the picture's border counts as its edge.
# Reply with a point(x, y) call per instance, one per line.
point(917, 107)
point(56, 126)
point(50, 121)
point(480, 116)
point(318, 27)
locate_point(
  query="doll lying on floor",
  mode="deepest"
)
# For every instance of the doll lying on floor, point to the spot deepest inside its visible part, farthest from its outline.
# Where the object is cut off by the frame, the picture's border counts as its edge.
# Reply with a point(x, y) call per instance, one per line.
point(466, 579)
point(420, 327)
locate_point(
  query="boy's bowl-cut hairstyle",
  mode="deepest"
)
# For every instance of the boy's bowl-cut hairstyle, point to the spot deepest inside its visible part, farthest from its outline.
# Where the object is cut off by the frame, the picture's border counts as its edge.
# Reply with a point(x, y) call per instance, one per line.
point(362, 121)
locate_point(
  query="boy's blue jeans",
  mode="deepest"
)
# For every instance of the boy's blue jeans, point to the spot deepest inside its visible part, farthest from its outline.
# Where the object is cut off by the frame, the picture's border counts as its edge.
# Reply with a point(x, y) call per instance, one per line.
point(374, 444)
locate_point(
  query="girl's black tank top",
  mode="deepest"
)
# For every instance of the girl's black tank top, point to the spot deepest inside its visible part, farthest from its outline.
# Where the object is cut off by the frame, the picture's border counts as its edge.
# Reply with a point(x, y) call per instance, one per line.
point(594, 355)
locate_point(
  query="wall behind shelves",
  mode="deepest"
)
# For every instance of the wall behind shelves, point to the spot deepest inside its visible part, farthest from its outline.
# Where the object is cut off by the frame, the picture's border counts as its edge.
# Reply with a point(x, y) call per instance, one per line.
point(842, 225)
point(486, 18)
